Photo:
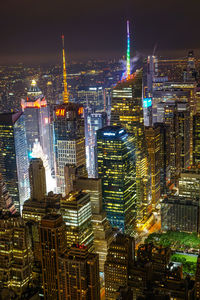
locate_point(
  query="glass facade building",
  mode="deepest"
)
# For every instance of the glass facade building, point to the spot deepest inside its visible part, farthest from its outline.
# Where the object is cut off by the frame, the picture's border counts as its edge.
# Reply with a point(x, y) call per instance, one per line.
point(93, 122)
point(127, 112)
point(117, 169)
point(14, 157)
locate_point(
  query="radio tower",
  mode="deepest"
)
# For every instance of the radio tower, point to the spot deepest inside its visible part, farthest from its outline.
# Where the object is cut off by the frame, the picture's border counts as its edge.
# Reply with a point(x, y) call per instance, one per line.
point(128, 65)
point(65, 92)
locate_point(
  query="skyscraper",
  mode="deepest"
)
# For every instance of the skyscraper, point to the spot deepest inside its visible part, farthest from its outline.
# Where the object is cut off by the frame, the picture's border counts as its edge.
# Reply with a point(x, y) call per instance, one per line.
point(52, 244)
point(93, 122)
point(118, 262)
point(177, 116)
point(69, 138)
point(37, 122)
point(15, 253)
point(14, 157)
point(77, 215)
point(6, 202)
point(117, 169)
point(103, 232)
point(79, 274)
point(153, 138)
point(127, 112)
point(37, 179)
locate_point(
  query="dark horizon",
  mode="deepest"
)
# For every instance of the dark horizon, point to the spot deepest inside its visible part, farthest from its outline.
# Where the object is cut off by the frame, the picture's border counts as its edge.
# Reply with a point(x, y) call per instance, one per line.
point(30, 31)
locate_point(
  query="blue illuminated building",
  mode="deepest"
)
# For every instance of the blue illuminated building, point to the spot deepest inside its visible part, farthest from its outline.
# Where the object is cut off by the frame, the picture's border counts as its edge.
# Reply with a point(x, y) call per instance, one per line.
point(117, 169)
point(93, 122)
point(147, 111)
point(13, 157)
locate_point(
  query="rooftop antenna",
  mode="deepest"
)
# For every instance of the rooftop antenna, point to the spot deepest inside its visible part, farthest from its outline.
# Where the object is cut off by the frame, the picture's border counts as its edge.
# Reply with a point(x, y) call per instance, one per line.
point(128, 64)
point(65, 92)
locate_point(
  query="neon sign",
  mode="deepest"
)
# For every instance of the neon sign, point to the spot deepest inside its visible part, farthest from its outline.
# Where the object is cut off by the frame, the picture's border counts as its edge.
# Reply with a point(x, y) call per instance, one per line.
point(60, 112)
point(80, 110)
point(147, 102)
point(109, 134)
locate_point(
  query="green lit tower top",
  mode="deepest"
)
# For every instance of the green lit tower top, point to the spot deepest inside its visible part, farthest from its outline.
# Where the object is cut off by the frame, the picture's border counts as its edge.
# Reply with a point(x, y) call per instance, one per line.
point(116, 167)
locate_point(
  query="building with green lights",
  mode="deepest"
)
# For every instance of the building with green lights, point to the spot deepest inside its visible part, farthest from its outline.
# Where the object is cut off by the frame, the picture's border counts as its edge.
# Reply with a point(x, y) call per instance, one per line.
point(117, 168)
point(127, 112)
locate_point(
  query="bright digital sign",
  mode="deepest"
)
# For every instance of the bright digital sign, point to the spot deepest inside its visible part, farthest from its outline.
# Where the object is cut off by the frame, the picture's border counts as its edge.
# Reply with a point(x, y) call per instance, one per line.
point(147, 102)
point(60, 112)
point(109, 134)
point(80, 110)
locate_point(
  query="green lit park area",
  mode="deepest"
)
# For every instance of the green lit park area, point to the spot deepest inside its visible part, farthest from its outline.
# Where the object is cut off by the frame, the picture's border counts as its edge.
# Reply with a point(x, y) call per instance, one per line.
point(177, 241)
point(189, 262)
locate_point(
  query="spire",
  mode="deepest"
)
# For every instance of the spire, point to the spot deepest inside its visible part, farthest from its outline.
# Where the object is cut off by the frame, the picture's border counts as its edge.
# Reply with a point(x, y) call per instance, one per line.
point(65, 92)
point(128, 65)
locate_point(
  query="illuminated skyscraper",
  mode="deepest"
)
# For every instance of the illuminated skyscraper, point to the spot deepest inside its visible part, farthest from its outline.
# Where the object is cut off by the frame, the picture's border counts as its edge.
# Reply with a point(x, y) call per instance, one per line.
point(14, 157)
point(15, 253)
point(118, 262)
point(93, 122)
point(127, 112)
point(117, 169)
point(92, 97)
point(79, 274)
point(69, 140)
point(153, 138)
point(196, 139)
point(77, 215)
point(6, 202)
point(69, 135)
point(52, 244)
point(103, 232)
point(37, 121)
point(176, 115)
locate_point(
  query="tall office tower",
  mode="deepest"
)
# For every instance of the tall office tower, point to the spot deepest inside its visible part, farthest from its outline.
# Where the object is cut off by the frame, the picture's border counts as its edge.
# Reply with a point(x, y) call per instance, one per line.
point(13, 157)
point(93, 122)
point(37, 179)
point(191, 74)
point(152, 70)
point(37, 122)
point(79, 274)
point(77, 215)
point(189, 183)
point(92, 97)
point(164, 156)
point(180, 91)
point(127, 112)
point(15, 253)
point(176, 115)
point(52, 244)
point(118, 262)
point(6, 202)
point(153, 138)
point(180, 213)
point(197, 279)
point(196, 139)
point(103, 233)
point(117, 169)
point(69, 138)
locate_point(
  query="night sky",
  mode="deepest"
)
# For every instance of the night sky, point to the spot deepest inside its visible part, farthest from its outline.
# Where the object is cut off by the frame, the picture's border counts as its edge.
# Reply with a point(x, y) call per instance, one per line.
point(30, 30)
